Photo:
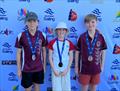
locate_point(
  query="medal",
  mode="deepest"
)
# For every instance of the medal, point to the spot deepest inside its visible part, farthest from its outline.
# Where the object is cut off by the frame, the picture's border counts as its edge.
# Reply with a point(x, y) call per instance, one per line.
point(60, 53)
point(33, 57)
point(91, 46)
point(33, 48)
point(60, 64)
point(90, 58)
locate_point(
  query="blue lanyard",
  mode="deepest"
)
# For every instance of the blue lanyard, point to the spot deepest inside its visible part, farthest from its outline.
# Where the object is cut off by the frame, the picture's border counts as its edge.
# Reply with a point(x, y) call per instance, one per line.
point(90, 49)
point(60, 54)
point(33, 49)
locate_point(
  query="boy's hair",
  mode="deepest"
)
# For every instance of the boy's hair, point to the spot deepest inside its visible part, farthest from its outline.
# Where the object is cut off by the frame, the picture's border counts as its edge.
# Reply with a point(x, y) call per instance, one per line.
point(90, 17)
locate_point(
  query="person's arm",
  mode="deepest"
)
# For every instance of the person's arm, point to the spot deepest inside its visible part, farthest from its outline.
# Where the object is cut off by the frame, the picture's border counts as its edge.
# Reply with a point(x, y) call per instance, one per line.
point(103, 52)
point(69, 64)
point(19, 62)
point(76, 62)
point(51, 63)
point(44, 58)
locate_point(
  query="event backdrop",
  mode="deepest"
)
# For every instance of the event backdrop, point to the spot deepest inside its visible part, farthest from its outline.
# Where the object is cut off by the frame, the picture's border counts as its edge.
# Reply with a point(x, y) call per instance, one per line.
point(50, 12)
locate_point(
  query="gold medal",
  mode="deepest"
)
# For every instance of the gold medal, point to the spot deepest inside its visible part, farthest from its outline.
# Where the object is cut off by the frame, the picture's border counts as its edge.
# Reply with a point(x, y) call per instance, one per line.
point(33, 57)
point(90, 58)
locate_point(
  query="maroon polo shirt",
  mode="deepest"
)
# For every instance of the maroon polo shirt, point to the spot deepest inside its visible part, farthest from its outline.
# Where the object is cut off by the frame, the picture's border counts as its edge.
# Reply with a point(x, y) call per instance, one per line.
point(87, 67)
point(28, 65)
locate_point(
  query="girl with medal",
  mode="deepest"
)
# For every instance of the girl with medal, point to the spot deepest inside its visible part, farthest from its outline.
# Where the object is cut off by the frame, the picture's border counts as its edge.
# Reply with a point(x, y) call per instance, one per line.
point(30, 46)
point(61, 57)
point(90, 55)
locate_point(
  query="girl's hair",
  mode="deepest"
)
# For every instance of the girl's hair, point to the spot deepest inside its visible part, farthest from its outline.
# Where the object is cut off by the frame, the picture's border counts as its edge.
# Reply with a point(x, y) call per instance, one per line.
point(90, 17)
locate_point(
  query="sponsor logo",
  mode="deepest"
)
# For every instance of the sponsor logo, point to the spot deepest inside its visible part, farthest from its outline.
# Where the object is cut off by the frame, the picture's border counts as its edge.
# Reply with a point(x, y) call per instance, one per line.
point(72, 15)
point(3, 15)
point(115, 64)
point(49, 15)
point(2, 0)
point(114, 89)
point(7, 48)
point(97, 1)
point(118, 1)
point(73, 33)
point(77, 1)
point(74, 88)
point(98, 13)
point(116, 49)
point(12, 77)
point(74, 77)
point(22, 14)
point(25, 0)
point(15, 88)
point(49, 32)
point(9, 62)
point(113, 79)
point(117, 17)
point(49, 1)
point(117, 33)
point(6, 32)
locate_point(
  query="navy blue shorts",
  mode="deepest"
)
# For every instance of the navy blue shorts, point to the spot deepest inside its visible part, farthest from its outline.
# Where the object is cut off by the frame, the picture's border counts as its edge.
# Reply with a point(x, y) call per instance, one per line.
point(28, 78)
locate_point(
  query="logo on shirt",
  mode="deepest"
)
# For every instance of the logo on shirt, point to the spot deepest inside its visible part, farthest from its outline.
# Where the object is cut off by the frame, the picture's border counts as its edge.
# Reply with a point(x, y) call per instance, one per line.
point(49, 15)
point(7, 48)
point(12, 77)
point(6, 32)
point(49, 1)
point(98, 43)
point(116, 49)
point(98, 13)
point(115, 64)
point(116, 33)
point(3, 14)
point(22, 14)
point(77, 1)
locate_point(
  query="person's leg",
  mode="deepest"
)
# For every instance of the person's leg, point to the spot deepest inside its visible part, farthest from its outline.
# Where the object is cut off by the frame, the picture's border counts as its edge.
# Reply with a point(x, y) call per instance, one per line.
point(37, 79)
point(66, 85)
point(84, 81)
point(28, 89)
point(84, 87)
point(36, 87)
point(26, 81)
point(95, 79)
point(93, 87)
point(56, 83)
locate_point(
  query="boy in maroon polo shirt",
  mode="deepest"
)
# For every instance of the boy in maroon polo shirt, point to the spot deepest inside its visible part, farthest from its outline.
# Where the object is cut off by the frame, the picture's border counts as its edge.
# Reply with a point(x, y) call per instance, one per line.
point(31, 53)
point(91, 53)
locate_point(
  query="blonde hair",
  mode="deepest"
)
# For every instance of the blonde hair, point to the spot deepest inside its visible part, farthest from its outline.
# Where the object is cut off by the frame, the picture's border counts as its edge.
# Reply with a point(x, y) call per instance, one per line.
point(90, 17)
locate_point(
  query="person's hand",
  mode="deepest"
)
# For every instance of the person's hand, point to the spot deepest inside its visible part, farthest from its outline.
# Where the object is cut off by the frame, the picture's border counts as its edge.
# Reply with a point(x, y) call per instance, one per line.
point(19, 74)
point(64, 72)
point(56, 73)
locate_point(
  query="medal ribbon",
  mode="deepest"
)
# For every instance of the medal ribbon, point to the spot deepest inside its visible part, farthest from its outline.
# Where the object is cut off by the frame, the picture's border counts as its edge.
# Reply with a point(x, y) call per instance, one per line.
point(60, 54)
point(90, 49)
point(33, 49)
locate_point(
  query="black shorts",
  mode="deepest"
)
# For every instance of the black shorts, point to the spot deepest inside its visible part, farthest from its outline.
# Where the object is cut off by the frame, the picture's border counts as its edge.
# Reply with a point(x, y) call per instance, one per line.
point(28, 78)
